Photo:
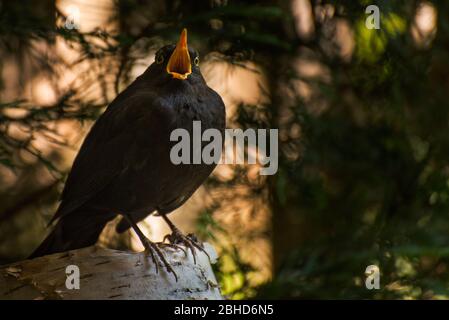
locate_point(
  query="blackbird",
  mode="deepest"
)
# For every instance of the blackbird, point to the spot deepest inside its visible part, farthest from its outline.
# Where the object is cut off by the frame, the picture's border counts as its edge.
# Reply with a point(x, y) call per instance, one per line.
point(124, 167)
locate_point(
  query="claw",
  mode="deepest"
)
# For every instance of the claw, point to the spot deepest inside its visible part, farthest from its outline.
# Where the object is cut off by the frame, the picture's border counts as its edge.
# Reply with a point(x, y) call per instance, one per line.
point(150, 248)
point(149, 251)
point(167, 237)
point(172, 245)
point(189, 241)
point(176, 237)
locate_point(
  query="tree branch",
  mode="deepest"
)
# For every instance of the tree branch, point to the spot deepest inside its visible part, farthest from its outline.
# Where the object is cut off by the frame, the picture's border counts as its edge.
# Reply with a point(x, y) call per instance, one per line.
point(110, 274)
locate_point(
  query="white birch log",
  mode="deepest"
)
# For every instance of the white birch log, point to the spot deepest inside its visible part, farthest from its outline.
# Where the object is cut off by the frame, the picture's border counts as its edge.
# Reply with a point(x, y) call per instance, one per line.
point(110, 274)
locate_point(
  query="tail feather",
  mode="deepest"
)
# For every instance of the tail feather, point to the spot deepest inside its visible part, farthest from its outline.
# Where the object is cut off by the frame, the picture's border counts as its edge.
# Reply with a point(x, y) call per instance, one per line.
point(76, 230)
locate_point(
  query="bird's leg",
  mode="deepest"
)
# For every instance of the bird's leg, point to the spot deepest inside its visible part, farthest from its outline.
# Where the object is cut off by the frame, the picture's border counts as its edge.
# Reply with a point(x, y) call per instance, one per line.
point(150, 247)
point(176, 237)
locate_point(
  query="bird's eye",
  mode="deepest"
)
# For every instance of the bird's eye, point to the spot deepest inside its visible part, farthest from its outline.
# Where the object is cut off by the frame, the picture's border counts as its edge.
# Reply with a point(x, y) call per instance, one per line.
point(159, 58)
point(196, 61)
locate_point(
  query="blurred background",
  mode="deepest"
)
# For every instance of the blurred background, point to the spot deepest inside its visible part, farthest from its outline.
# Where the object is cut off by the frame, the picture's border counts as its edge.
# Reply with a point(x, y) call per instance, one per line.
point(363, 118)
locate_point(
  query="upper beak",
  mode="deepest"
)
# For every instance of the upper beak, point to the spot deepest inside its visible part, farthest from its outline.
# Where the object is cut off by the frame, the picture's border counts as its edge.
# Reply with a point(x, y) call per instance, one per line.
point(179, 65)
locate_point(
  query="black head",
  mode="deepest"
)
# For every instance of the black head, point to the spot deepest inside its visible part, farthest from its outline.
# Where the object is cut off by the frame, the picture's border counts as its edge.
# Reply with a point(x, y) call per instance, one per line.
point(178, 62)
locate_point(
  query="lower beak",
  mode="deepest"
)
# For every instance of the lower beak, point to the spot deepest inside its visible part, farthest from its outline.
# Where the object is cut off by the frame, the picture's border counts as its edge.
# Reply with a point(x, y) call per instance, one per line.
point(179, 65)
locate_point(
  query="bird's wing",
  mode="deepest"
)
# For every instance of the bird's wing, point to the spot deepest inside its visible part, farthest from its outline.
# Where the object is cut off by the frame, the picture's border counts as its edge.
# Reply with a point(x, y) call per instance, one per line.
point(103, 154)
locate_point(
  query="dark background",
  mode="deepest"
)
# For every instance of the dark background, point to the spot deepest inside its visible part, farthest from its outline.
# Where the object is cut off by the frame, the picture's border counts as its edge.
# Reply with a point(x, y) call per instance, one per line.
point(362, 115)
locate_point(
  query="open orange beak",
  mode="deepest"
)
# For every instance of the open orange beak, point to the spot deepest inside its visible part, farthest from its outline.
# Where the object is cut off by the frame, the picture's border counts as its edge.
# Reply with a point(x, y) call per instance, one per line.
point(179, 65)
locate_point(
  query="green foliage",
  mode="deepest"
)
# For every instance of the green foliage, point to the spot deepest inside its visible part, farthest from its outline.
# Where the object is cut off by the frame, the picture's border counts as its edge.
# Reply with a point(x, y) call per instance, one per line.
point(372, 184)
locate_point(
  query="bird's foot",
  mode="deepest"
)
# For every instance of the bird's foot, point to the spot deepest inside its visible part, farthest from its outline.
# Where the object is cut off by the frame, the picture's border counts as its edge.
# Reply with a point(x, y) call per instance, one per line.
point(152, 250)
point(190, 241)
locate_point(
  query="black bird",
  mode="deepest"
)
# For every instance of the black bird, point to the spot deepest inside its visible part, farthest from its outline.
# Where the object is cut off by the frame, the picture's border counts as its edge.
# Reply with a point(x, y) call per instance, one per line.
point(124, 167)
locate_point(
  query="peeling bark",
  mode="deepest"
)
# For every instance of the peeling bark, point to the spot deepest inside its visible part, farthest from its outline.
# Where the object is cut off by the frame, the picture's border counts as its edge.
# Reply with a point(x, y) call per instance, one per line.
point(111, 274)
